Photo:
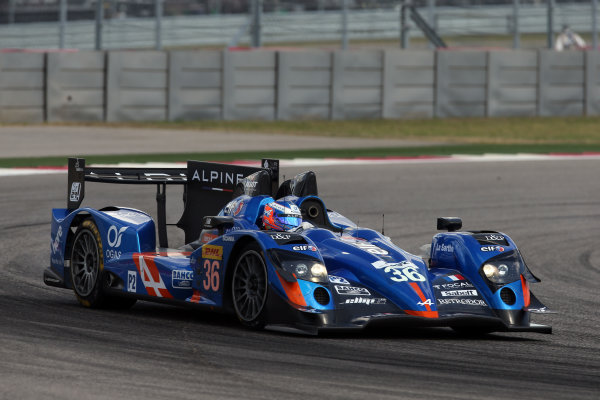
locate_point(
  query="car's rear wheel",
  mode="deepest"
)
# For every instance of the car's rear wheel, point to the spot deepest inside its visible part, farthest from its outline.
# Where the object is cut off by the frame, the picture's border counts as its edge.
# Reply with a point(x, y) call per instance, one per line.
point(249, 287)
point(87, 269)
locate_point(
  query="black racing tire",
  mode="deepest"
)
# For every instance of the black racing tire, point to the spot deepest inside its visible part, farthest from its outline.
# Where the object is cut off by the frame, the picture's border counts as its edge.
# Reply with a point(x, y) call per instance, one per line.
point(87, 270)
point(249, 287)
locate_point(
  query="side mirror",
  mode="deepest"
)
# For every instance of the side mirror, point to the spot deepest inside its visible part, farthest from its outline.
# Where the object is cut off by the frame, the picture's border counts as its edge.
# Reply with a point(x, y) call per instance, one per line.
point(217, 222)
point(449, 224)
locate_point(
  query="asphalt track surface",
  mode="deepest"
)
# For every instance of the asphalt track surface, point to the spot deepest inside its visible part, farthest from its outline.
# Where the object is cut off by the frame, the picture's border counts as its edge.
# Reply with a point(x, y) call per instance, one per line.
point(51, 348)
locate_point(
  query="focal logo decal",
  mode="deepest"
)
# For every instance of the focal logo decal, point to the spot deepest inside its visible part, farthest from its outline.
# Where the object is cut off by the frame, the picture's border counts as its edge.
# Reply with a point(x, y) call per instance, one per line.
point(352, 291)
point(492, 248)
point(457, 285)
point(113, 239)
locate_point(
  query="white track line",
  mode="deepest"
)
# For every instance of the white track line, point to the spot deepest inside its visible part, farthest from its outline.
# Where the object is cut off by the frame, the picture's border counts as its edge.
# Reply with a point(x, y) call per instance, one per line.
point(305, 162)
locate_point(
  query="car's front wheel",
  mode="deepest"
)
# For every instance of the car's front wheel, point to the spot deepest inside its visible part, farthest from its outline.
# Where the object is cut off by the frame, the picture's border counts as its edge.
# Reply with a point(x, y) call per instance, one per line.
point(250, 287)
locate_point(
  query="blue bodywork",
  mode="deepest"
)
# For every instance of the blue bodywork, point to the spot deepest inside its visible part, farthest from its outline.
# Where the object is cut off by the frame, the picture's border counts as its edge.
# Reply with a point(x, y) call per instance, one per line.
point(328, 273)
point(370, 280)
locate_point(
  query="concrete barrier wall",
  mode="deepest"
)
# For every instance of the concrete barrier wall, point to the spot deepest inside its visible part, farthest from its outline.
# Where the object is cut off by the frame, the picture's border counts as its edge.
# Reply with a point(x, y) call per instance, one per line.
point(408, 84)
point(75, 86)
point(22, 87)
point(295, 85)
point(195, 85)
point(136, 88)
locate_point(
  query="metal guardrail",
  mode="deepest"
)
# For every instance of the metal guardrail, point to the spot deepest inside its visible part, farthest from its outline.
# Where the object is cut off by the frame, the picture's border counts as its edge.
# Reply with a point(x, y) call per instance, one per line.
point(218, 30)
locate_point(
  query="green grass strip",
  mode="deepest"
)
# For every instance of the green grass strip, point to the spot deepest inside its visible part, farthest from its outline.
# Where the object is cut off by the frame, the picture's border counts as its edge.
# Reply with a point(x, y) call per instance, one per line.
point(326, 153)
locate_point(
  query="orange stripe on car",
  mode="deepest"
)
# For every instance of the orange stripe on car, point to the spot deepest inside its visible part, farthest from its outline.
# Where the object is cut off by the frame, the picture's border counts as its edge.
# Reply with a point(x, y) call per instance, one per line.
point(426, 314)
point(292, 290)
point(419, 292)
point(526, 293)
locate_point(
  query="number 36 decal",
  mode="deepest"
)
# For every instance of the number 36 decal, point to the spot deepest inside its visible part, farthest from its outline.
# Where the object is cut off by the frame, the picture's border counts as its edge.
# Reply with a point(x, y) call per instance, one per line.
point(212, 278)
point(401, 272)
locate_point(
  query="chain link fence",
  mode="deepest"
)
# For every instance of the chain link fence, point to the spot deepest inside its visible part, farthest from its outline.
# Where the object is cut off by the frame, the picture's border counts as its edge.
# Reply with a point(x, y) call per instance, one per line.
point(186, 24)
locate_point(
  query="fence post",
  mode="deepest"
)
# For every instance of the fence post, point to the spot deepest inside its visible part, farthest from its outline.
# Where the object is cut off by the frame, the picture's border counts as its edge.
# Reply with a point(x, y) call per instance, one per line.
point(158, 12)
point(63, 23)
point(550, 23)
point(516, 29)
point(99, 18)
point(345, 24)
point(256, 9)
point(595, 24)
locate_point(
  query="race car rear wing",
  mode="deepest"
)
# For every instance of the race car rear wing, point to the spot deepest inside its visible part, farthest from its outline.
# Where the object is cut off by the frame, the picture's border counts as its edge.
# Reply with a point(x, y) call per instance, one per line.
point(207, 188)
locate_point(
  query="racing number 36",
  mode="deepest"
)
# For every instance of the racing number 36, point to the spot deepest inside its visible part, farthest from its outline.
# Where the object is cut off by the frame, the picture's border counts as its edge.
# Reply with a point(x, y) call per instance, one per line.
point(402, 271)
point(211, 275)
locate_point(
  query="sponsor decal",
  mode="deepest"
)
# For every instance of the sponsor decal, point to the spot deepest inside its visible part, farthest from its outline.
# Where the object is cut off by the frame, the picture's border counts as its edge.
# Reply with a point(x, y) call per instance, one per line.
point(207, 237)
point(212, 277)
point(427, 302)
point(304, 248)
point(459, 293)
point(352, 291)
point(151, 276)
point(494, 237)
point(453, 278)
point(467, 302)
point(181, 279)
point(54, 244)
point(492, 248)
point(219, 177)
point(338, 279)
point(401, 272)
point(280, 236)
point(113, 239)
point(75, 191)
point(131, 281)
point(363, 245)
point(213, 252)
point(114, 236)
point(365, 301)
point(446, 248)
point(456, 285)
point(250, 184)
point(228, 239)
point(239, 208)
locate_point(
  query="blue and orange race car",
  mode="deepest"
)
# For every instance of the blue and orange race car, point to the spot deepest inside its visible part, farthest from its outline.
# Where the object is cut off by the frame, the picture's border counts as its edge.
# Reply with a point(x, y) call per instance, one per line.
point(323, 272)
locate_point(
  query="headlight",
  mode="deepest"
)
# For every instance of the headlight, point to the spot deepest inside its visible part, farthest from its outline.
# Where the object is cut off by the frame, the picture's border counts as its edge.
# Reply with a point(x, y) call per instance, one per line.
point(302, 266)
point(503, 269)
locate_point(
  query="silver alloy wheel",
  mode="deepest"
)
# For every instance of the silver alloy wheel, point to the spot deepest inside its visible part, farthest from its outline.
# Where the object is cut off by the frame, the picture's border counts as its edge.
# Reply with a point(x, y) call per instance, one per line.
point(84, 263)
point(249, 286)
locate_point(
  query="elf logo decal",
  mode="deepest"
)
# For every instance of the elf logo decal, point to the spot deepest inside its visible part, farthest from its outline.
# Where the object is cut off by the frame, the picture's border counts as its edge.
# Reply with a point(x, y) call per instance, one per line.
point(75, 191)
point(113, 236)
point(304, 248)
point(151, 278)
point(492, 248)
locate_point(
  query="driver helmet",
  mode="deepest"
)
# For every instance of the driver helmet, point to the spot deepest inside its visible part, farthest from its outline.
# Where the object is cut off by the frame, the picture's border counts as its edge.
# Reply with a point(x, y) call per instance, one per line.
point(281, 216)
